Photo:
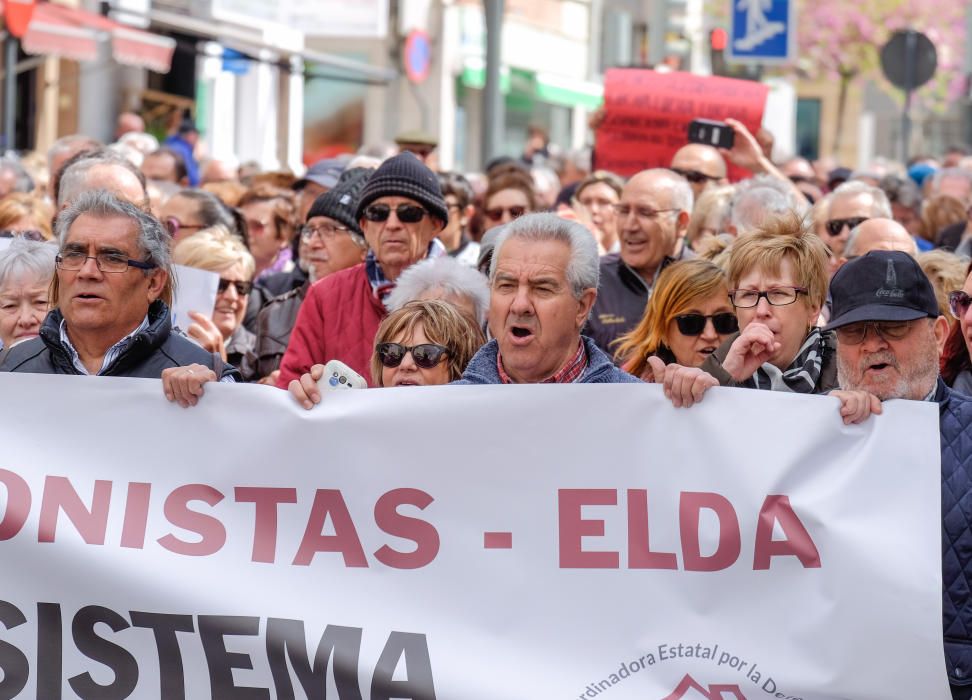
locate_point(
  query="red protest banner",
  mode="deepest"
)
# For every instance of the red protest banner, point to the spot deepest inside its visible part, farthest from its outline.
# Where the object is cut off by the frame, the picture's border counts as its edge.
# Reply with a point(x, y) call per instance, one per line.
point(647, 115)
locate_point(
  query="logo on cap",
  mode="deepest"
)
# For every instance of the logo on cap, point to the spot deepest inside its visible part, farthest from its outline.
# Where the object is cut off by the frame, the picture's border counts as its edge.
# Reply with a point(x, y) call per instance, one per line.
point(890, 290)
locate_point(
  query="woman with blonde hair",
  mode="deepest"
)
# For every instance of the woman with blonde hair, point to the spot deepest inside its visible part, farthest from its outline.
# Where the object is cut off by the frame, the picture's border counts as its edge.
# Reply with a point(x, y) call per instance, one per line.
point(687, 318)
point(26, 216)
point(217, 250)
point(709, 216)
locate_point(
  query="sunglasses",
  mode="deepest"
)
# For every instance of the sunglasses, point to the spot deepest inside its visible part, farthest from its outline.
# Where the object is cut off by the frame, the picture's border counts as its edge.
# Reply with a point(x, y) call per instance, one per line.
point(693, 176)
point(693, 324)
point(958, 303)
point(173, 226)
point(835, 226)
point(31, 235)
point(406, 213)
point(242, 288)
point(426, 355)
point(496, 213)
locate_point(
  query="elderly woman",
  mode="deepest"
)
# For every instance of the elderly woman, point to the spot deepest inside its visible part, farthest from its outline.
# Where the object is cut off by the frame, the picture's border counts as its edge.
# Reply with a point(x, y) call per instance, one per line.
point(596, 196)
point(956, 362)
point(217, 250)
point(26, 269)
point(271, 223)
point(424, 343)
point(687, 318)
point(25, 215)
point(446, 279)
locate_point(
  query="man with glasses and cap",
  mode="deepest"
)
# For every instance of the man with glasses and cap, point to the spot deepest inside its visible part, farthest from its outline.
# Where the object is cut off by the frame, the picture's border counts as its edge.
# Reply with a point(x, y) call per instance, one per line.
point(400, 211)
point(889, 340)
point(110, 299)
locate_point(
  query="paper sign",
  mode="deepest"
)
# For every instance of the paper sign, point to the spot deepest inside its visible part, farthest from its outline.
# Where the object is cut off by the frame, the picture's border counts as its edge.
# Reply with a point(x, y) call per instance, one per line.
point(542, 542)
point(195, 291)
point(647, 115)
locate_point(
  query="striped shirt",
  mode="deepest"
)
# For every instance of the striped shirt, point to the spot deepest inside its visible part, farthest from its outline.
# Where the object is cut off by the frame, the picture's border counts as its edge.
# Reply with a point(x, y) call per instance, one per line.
point(567, 374)
point(114, 352)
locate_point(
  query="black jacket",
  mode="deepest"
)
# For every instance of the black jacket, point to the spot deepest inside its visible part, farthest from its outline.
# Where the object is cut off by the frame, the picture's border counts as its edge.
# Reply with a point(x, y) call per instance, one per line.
point(149, 352)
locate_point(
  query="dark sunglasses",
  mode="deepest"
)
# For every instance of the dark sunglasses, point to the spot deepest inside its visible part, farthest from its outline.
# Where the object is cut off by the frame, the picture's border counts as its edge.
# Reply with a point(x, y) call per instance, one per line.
point(406, 213)
point(426, 355)
point(693, 324)
point(496, 213)
point(694, 176)
point(30, 235)
point(958, 303)
point(242, 288)
point(835, 226)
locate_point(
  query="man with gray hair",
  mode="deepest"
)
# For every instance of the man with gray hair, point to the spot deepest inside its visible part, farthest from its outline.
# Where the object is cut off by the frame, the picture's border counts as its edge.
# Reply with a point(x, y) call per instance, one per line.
point(652, 220)
point(101, 170)
point(758, 199)
point(110, 304)
point(851, 204)
point(543, 280)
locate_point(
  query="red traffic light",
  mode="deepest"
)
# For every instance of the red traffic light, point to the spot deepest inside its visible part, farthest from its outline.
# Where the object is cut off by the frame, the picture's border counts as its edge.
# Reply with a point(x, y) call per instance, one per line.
point(718, 38)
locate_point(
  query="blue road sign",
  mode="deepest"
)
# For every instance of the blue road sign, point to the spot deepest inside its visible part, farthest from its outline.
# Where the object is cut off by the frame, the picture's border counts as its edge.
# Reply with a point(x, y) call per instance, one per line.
point(763, 31)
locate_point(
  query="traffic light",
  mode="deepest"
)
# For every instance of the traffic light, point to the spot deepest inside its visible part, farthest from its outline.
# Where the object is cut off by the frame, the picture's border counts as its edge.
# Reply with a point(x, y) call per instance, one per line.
point(718, 39)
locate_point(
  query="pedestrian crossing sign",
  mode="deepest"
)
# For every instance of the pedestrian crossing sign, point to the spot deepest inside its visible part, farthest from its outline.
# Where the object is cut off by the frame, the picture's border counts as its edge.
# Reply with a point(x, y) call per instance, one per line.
point(763, 31)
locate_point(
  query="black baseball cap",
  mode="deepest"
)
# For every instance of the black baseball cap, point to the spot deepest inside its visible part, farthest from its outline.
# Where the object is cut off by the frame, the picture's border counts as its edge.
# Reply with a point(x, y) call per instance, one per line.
point(884, 285)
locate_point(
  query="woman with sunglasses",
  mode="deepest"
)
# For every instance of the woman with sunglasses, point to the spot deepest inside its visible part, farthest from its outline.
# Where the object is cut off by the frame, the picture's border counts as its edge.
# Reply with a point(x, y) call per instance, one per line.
point(424, 343)
point(25, 216)
point(509, 196)
point(957, 355)
point(222, 332)
point(687, 318)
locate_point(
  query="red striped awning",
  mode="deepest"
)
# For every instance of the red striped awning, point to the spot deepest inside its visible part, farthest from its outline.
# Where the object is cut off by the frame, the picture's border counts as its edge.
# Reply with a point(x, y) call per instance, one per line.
point(69, 32)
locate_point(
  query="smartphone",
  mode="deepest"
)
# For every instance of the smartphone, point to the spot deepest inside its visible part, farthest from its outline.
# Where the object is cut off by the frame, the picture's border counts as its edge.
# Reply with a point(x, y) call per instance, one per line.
point(338, 375)
point(711, 133)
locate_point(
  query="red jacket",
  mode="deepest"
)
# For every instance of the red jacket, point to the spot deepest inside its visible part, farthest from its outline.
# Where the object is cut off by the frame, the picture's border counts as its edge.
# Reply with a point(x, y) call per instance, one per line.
point(337, 321)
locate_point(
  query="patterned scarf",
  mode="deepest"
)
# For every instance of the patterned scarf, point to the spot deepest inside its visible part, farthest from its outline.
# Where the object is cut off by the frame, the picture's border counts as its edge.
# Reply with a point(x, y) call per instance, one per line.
point(803, 373)
point(381, 286)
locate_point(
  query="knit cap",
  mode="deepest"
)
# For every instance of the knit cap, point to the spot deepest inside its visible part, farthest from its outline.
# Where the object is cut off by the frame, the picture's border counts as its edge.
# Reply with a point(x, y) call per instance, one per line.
point(405, 175)
point(338, 202)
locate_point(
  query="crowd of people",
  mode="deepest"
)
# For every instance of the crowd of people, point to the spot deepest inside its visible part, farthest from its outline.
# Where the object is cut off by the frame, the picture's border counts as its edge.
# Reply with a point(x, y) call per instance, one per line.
point(805, 277)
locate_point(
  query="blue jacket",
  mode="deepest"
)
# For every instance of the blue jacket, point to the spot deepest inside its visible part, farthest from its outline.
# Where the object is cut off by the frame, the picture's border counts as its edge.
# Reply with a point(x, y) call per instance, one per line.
point(955, 412)
point(600, 370)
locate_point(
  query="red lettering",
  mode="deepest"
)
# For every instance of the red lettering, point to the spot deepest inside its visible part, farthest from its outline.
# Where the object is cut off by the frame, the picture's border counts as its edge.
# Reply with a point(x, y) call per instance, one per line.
point(136, 515)
point(18, 504)
point(689, 513)
point(59, 495)
point(573, 528)
point(422, 533)
point(212, 534)
point(265, 501)
point(345, 540)
point(640, 555)
point(777, 509)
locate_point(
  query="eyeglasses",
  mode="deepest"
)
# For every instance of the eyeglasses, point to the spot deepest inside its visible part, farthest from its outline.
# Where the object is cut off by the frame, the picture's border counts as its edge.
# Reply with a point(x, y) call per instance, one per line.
point(173, 226)
point(256, 226)
point(693, 324)
point(29, 235)
point(324, 232)
point(780, 296)
point(855, 333)
point(242, 288)
point(693, 176)
point(835, 226)
point(406, 213)
point(645, 213)
point(426, 355)
point(958, 303)
point(496, 213)
point(106, 262)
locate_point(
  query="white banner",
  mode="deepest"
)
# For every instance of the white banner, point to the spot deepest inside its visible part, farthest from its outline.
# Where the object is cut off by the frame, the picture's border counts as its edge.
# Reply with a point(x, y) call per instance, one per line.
point(195, 290)
point(468, 543)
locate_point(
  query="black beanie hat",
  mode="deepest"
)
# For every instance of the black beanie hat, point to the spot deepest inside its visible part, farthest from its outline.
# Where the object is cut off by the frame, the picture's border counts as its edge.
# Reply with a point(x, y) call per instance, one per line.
point(338, 202)
point(405, 175)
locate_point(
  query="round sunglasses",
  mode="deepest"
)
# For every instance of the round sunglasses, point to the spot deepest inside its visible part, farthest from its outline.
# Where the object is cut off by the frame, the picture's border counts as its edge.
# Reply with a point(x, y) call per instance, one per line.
point(406, 213)
point(426, 355)
point(693, 324)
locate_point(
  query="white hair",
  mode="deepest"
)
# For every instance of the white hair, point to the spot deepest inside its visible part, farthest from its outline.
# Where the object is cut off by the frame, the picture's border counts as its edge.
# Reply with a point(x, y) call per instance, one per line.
point(443, 273)
point(25, 256)
point(880, 206)
point(583, 270)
